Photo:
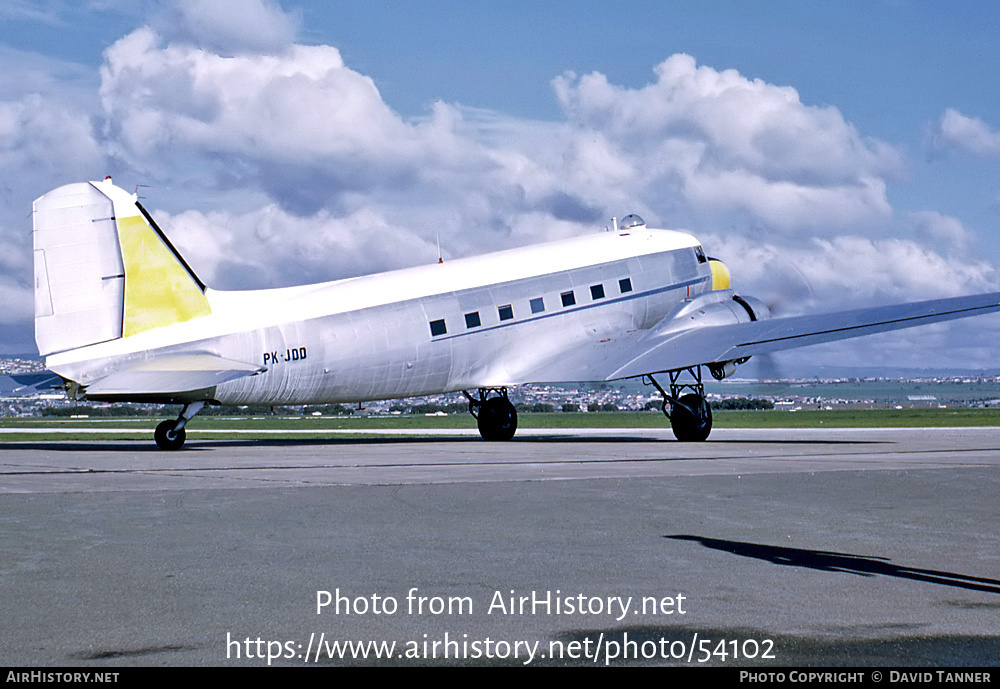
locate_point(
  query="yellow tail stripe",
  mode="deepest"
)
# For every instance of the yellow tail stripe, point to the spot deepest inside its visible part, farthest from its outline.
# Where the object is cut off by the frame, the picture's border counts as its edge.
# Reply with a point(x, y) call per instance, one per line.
point(159, 291)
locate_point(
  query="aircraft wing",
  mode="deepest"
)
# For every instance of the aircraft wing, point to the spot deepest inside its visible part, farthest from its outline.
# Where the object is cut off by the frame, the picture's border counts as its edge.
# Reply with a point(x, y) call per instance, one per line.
point(173, 374)
point(665, 349)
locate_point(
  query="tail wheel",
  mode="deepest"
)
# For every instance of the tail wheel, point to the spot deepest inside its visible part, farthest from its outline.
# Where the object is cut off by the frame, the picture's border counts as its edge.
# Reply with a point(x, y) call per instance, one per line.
point(167, 438)
point(497, 419)
point(691, 418)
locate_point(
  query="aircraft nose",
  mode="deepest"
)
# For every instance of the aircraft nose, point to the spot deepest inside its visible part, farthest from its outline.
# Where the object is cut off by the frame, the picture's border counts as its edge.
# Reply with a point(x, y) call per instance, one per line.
point(720, 274)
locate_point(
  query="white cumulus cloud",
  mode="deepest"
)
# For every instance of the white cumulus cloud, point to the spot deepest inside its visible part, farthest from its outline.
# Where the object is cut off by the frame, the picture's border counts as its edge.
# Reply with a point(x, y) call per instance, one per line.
point(229, 27)
point(827, 273)
point(968, 134)
point(942, 231)
point(724, 143)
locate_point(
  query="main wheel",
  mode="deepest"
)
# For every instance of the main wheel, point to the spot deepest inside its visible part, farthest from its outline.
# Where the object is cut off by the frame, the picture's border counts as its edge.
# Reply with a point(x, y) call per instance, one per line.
point(497, 419)
point(691, 418)
point(166, 438)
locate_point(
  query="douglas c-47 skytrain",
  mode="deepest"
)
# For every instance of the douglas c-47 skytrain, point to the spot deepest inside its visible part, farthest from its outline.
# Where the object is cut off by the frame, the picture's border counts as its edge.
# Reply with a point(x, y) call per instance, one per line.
point(121, 316)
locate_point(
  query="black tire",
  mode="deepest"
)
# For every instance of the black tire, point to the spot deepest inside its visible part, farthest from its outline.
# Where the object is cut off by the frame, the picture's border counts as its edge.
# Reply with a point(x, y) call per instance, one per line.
point(691, 419)
point(497, 419)
point(167, 443)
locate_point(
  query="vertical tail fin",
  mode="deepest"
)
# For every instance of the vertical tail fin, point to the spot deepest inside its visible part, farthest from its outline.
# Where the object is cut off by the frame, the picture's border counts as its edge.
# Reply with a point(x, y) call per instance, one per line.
point(103, 270)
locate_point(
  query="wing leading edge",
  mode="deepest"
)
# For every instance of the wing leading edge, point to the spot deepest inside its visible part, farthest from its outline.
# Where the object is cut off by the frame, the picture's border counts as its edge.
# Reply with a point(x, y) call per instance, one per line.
point(665, 349)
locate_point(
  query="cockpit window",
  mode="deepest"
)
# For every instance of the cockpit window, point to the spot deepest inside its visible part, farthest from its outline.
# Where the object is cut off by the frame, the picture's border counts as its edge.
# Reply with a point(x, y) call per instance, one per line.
point(700, 253)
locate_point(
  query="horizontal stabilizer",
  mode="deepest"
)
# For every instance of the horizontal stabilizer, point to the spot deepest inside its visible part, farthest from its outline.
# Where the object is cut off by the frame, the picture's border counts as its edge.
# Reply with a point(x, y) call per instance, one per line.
point(172, 375)
point(29, 383)
point(671, 350)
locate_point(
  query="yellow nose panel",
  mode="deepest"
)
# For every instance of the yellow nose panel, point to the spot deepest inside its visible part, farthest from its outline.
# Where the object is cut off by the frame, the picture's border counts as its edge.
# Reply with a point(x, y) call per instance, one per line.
point(720, 274)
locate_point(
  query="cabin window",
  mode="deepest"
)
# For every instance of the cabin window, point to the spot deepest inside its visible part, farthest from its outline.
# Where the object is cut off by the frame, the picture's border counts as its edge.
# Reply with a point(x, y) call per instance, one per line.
point(625, 285)
point(597, 292)
point(506, 312)
point(700, 253)
point(438, 328)
point(568, 299)
point(537, 305)
point(472, 320)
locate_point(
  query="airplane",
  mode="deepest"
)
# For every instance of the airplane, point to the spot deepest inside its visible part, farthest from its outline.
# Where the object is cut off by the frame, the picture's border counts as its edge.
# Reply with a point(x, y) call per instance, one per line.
point(121, 316)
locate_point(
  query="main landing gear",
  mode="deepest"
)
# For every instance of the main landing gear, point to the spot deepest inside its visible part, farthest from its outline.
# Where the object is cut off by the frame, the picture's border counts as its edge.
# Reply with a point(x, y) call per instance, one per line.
point(689, 413)
point(494, 413)
point(170, 435)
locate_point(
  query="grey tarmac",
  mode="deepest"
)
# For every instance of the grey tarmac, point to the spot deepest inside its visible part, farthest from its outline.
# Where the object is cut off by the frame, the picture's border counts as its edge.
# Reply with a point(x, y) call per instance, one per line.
point(840, 547)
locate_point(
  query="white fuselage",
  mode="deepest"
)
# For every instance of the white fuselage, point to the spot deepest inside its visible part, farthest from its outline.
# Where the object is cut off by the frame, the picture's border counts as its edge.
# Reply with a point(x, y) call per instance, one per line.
point(484, 321)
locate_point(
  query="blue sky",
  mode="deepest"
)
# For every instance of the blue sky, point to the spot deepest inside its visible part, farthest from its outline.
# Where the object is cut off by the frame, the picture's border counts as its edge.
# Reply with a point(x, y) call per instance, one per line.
point(833, 153)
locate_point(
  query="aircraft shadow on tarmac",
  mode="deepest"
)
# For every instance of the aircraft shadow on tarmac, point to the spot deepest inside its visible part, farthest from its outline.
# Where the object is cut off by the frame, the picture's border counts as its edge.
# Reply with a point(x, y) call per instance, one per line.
point(843, 562)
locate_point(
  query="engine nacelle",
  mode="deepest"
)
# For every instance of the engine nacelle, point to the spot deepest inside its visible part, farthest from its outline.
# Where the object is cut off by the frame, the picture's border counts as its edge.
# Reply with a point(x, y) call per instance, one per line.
point(757, 309)
point(723, 370)
point(720, 307)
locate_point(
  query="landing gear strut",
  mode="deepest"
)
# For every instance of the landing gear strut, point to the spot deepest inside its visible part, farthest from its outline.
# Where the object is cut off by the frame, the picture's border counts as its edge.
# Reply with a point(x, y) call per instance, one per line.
point(170, 435)
point(495, 414)
point(689, 413)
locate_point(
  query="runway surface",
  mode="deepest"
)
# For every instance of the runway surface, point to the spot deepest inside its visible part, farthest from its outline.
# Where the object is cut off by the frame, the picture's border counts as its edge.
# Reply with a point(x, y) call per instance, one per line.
point(761, 547)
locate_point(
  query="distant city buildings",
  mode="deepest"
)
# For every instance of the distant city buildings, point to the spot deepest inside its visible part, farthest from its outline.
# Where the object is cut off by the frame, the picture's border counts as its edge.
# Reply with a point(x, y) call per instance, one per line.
point(15, 365)
point(17, 399)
